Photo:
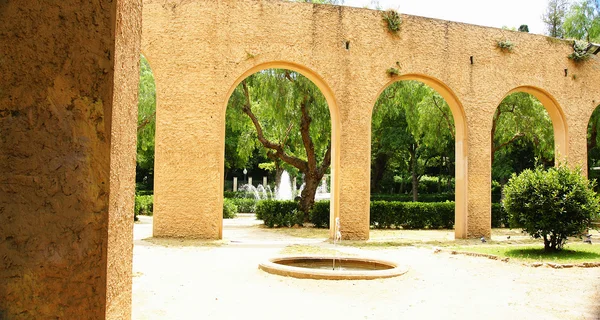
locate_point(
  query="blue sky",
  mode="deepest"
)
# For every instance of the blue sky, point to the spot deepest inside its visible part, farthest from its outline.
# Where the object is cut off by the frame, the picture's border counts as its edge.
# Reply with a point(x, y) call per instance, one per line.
point(492, 13)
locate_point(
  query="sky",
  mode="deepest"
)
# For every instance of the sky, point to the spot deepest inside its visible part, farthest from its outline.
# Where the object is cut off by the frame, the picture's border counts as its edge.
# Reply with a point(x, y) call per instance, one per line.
point(509, 13)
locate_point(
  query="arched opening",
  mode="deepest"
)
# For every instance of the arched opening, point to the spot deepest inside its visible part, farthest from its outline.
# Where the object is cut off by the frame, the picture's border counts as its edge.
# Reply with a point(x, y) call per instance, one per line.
point(281, 123)
point(528, 130)
point(146, 128)
point(593, 147)
point(423, 117)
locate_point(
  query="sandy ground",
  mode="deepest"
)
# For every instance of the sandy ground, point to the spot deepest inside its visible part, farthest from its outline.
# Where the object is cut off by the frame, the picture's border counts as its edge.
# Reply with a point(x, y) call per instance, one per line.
point(187, 280)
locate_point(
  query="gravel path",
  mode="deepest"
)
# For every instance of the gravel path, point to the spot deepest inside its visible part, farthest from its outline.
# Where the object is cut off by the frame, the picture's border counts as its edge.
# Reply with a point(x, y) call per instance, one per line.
point(182, 281)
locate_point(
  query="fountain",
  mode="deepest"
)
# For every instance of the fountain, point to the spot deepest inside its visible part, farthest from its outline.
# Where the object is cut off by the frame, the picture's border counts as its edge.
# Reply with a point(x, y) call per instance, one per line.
point(284, 190)
point(332, 268)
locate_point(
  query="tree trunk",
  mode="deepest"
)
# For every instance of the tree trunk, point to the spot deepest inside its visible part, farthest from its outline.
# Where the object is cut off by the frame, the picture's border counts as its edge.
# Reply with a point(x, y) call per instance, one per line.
point(415, 177)
point(311, 183)
point(378, 170)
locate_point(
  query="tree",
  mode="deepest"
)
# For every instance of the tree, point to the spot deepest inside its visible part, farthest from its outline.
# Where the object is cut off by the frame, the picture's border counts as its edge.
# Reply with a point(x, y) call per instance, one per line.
point(554, 17)
point(524, 28)
point(520, 123)
point(582, 22)
point(412, 126)
point(290, 120)
point(551, 204)
point(593, 146)
point(146, 125)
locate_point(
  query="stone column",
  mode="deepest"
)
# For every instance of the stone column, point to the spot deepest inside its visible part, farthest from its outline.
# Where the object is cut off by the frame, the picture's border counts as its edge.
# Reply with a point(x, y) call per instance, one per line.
point(264, 181)
point(235, 184)
point(250, 180)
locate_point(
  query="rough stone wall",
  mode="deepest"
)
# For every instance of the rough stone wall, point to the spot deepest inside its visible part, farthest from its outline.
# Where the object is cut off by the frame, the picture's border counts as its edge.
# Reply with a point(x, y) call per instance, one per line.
point(57, 68)
point(200, 50)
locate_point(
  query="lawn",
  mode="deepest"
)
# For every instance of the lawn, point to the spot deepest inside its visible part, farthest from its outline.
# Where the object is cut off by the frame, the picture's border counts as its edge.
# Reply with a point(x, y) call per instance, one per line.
point(572, 253)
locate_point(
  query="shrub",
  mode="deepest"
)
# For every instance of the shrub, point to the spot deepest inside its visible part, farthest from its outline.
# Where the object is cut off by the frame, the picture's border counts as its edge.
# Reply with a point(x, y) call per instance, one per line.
point(144, 205)
point(319, 215)
point(244, 205)
point(551, 204)
point(579, 51)
point(499, 216)
point(393, 20)
point(230, 210)
point(505, 45)
point(437, 197)
point(279, 213)
point(412, 215)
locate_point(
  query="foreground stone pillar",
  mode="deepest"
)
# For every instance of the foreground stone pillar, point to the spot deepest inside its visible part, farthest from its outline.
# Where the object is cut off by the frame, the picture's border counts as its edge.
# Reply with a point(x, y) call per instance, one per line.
point(67, 157)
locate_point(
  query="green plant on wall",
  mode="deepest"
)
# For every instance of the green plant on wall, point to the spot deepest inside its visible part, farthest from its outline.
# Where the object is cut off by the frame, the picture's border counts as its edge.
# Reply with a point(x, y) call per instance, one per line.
point(579, 51)
point(393, 20)
point(392, 72)
point(505, 45)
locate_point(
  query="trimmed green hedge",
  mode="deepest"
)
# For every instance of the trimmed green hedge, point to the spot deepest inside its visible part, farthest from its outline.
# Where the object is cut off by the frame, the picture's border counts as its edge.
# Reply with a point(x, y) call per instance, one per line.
point(230, 210)
point(279, 213)
point(384, 214)
point(412, 215)
point(499, 216)
point(244, 205)
point(435, 197)
point(144, 205)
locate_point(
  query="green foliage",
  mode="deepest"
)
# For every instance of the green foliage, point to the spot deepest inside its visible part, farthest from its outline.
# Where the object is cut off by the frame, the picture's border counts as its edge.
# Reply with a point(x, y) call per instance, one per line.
point(551, 204)
point(244, 205)
point(279, 213)
point(593, 146)
point(499, 216)
point(434, 197)
point(412, 132)
point(522, 136)
point(144, 205)
point(579, 51)
point(505, 45)
point(393, 72)
point(554, 17)
point(146, 125)
point(523, 28)
point(319, 215)
point(230, 210)
point(412, 215)
point(582, 21)
point(393, 20)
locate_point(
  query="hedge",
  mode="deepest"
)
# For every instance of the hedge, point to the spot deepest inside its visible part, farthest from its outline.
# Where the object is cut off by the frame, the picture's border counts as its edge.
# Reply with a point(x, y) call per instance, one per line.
point(384, 214)
point(279, 213)
point(244, 205)
point(230, 210)
point(435, 197)
point(144, 205)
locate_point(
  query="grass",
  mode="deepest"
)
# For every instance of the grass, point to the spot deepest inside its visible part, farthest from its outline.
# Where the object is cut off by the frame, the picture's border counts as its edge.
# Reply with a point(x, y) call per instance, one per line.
point(572, 253)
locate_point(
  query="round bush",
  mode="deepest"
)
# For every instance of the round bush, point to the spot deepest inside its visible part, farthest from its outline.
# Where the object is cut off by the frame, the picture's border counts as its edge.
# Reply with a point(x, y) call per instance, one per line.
point(551, 204)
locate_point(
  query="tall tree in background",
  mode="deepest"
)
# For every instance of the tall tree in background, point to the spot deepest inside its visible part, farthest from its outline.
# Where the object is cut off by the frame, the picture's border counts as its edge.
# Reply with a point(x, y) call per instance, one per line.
point(146, 126)
point(521, 126)
point(291, 121)
point(412, 126)
point(555, 16)
point(582, 21)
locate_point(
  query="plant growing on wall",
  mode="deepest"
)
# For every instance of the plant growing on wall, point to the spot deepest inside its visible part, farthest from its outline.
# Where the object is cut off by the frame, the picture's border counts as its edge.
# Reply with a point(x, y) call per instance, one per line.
point(505, 45)
point(579, 51)
point(392, 72)
point(393, 20)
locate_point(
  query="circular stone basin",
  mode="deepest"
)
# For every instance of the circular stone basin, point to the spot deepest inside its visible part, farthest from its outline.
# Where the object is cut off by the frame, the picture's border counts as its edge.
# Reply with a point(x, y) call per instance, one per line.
point(346, 268)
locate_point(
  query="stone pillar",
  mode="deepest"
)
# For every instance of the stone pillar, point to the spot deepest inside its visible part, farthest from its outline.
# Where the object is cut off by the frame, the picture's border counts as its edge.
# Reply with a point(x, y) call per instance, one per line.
point(265, 181)
point(234, 184)
point(67, 159)
point(250, 180)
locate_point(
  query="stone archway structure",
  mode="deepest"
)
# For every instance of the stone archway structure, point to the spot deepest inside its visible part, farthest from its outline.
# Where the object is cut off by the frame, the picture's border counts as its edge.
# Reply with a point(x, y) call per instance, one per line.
point(201, 49)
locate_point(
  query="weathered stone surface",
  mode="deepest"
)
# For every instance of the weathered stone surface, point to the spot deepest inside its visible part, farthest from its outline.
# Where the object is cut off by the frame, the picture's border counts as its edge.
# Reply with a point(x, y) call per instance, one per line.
point(200, 50)
point(66, 173)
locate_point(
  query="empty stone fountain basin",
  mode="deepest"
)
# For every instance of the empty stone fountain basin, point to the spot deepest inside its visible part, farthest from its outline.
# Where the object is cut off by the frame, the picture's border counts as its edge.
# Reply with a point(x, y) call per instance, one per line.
point(346, 268)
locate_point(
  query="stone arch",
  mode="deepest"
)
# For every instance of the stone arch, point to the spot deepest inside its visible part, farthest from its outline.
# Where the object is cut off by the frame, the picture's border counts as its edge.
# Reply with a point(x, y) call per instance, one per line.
point(559, 121)
point(333, 113)
point(461, 145)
